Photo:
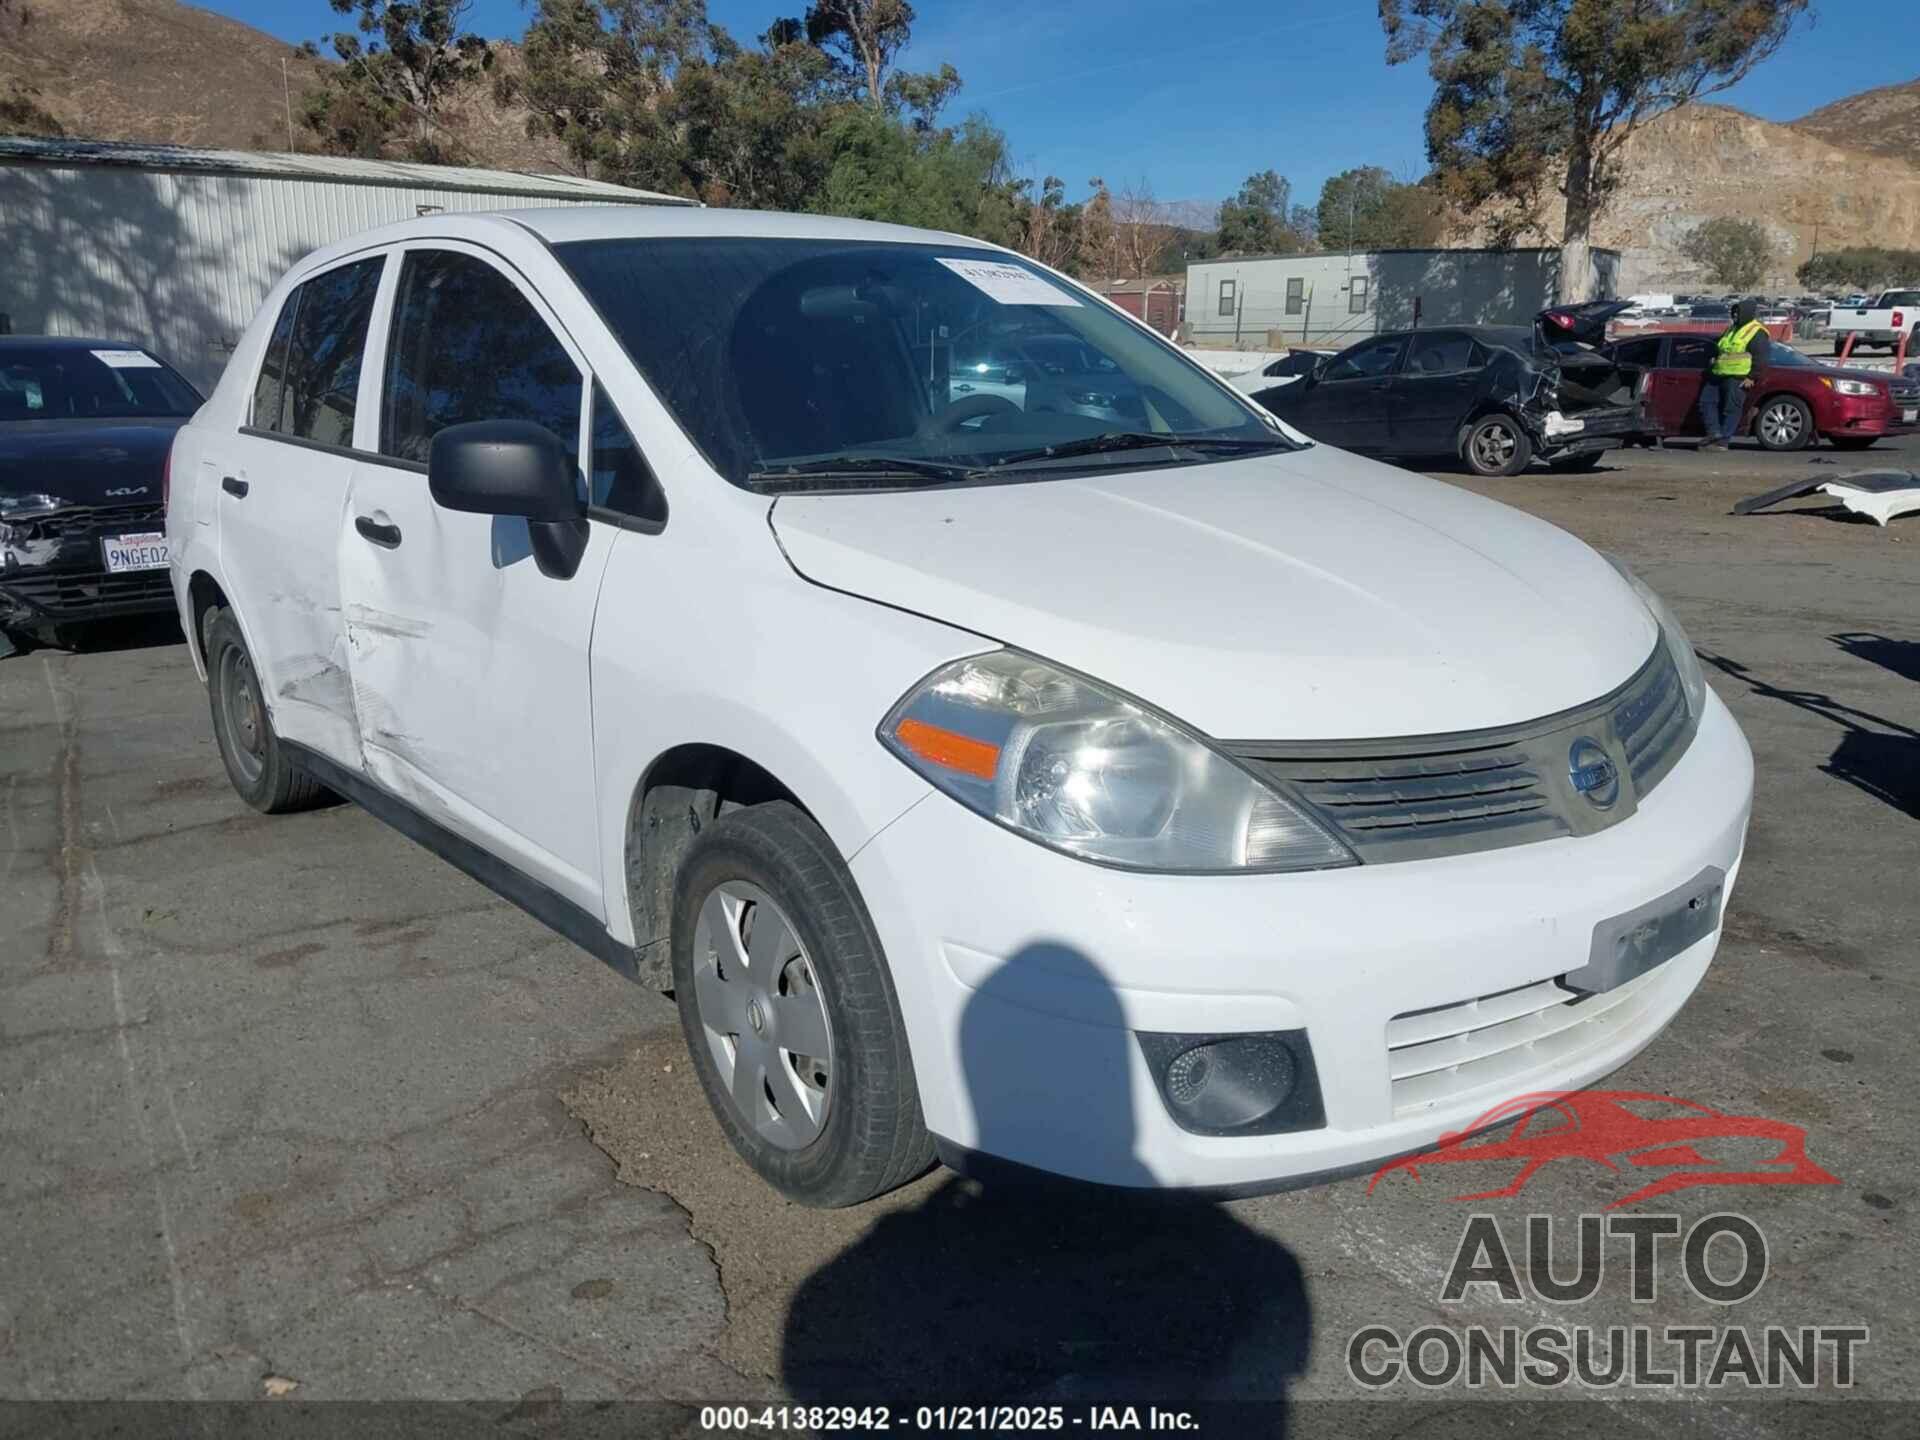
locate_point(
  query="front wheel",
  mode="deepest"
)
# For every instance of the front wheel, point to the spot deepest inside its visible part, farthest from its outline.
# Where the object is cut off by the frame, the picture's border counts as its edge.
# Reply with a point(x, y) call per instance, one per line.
point(789, 1012)
point(1783, 422)
point(257, 763)
point(1496, 445)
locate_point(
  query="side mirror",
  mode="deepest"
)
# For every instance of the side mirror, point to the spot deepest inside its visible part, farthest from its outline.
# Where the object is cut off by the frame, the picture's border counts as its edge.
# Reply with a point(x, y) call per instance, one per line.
point(513, 468)
point(503, 467)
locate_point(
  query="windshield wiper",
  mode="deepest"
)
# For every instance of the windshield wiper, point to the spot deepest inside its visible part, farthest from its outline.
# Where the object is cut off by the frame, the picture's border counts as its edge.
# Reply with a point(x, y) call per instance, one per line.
point(1139, 440)
point(852, 470)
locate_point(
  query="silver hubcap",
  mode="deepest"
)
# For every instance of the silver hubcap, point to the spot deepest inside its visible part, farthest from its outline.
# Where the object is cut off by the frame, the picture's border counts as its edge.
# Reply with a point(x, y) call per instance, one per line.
point(1493, 447)
point(245, 717)
point(1781, 424)
point(761, 1011)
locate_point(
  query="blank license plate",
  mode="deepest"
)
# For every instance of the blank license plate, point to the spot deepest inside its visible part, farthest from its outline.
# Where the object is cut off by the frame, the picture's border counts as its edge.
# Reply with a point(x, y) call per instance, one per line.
point(146, 551)
point(1910, 414)
point(1627, 946)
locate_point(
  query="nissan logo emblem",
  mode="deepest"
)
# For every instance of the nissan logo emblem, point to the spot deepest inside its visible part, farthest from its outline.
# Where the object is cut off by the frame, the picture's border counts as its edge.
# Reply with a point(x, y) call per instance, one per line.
point(1593, 774)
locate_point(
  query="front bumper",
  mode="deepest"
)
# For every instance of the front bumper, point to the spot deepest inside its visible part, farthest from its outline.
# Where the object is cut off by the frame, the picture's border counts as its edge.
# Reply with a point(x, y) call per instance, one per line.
point(52, 570)
point(1855, 415)
point(1022, 974)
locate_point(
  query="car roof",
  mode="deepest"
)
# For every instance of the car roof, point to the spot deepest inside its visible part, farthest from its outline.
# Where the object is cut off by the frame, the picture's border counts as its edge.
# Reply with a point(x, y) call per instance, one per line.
point(560, 225)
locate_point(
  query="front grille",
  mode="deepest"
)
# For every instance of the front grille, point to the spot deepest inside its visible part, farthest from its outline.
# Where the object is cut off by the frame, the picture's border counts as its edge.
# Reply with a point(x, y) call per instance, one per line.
point(83, 520)
point(1423, 796)
point(74, 593)
point(1438, 1055)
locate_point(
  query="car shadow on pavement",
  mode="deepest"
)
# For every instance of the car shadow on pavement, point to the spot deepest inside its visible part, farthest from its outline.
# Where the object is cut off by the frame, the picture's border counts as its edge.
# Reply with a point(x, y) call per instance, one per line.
point(1875, 754)
point(102, 637)
point(1016, 1289)
point(1902, 657)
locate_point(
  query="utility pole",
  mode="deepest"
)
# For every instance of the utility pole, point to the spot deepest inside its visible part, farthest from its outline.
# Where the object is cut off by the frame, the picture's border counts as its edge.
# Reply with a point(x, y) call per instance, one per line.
point(286, 90)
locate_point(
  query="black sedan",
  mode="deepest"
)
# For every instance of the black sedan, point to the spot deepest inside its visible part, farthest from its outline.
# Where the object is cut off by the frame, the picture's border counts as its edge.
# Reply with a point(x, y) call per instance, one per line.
point(85, 429)
point(1495, 396)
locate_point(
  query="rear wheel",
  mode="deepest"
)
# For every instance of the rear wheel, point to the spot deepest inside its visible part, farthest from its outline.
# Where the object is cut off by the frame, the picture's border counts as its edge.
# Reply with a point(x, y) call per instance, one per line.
point(1496, 445)
point(1783, 422)
point(789, 1012)
point(262, 772)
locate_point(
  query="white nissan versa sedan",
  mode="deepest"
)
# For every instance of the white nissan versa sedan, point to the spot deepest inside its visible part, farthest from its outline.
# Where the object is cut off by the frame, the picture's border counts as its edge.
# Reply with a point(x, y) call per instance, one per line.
point(1160, 801)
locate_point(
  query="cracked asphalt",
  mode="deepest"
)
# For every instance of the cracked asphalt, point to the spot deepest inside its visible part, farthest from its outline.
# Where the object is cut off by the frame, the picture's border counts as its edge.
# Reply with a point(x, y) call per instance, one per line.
point(290, 1107)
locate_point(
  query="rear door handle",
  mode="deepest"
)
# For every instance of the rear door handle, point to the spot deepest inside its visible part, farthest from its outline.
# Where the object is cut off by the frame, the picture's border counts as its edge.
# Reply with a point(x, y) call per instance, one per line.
point(387, 537)
point(235, 488)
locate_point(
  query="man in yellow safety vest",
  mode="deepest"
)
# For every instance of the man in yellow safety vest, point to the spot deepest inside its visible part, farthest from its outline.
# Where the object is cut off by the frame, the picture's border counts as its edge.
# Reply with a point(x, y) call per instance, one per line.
point(1737, 355)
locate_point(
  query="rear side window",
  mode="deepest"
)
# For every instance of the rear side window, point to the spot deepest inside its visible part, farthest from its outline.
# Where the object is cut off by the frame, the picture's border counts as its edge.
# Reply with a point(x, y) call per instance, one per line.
point(310, 380)
point(468, 346)
point(1439, 353)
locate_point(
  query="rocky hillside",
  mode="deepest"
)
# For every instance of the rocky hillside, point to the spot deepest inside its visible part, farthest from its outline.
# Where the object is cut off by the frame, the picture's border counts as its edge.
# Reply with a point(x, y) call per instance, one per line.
point(1708, 160)
point(1885, 121)
point(160, 70)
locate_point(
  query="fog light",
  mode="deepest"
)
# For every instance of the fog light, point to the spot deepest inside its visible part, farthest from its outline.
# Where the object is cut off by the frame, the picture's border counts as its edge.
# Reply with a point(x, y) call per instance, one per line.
point(1260, 1084)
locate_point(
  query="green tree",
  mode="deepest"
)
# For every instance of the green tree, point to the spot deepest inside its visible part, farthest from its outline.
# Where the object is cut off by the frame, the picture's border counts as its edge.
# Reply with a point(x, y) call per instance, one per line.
point(1864, 267)
point(1536, 95)
point(1367, 209)
point(394, 78)
point(1257, 220)
point(954, 179)
point(1734, 253)
point(864, 35)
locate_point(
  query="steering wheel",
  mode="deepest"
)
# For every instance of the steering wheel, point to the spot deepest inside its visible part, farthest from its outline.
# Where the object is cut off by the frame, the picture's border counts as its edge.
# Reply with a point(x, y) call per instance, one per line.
point(968, 407)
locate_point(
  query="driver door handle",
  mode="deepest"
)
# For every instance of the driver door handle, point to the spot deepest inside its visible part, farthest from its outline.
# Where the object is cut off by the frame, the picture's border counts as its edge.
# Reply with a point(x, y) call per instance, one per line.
point(387, 537)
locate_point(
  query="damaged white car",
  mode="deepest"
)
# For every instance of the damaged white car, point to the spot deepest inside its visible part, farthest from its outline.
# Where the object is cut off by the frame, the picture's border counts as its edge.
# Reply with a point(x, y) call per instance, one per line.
point(1125, 788)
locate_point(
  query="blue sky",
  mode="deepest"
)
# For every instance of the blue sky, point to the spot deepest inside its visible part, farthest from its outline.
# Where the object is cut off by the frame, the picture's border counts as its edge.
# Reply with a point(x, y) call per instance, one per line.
point(1193, 98)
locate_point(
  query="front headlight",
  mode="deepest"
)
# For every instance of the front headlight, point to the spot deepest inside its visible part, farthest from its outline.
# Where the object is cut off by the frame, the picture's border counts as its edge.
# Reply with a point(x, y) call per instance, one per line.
point(1855, 387)
point(1079, 768)
point(1693, 680)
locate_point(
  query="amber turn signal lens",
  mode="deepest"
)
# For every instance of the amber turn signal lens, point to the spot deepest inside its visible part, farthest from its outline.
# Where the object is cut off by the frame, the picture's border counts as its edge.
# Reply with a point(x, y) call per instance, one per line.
point(940, 746)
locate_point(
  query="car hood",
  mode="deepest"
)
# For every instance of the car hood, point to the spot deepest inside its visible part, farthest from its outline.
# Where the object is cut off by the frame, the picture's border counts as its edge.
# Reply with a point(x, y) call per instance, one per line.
point(82, 461)
point(1304, 596)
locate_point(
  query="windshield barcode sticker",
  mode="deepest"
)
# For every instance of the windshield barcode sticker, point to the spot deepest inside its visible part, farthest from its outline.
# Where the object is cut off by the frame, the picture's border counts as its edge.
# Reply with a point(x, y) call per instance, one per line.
point(126, 359)
point(1007, 283)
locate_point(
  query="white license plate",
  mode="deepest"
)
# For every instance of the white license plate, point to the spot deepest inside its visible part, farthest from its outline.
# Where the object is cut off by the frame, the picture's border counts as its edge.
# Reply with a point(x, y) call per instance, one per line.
point(147, 551)
point(1910, 414)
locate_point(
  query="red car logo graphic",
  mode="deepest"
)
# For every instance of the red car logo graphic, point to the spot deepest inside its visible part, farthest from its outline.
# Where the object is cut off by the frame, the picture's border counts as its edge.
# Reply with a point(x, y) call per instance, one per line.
point(1598, 1125)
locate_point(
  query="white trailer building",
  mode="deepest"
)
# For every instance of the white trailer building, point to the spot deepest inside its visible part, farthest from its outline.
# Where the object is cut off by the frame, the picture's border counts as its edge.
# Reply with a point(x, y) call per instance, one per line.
point(1333, 300)
point(175, 248)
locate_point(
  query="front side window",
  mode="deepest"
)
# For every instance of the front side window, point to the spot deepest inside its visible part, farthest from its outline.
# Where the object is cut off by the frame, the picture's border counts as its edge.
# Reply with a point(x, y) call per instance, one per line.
point(1357, 295)
point(1296, 295)
point(1226, 297)
point(1691, 352)
point(315, 378)
point(467, 345)
point(1367, 361)
point(619, 477)
point(781, 354)
point(78, 382)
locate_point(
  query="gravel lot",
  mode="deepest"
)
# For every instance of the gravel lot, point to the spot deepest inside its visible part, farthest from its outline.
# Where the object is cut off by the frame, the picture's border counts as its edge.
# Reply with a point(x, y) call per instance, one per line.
point(291, 1107)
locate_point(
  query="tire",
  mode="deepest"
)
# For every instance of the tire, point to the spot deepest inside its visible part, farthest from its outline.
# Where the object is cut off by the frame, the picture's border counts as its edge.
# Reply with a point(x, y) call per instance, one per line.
point(262, 772)
point(824, 1131)
point(1853, 442)
point(1497, 445)
point(1783, 422)
point(1577, 464)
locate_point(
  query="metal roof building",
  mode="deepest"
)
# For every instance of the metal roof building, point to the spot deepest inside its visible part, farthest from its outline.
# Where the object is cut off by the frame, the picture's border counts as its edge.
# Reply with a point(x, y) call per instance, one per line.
point(175, 247)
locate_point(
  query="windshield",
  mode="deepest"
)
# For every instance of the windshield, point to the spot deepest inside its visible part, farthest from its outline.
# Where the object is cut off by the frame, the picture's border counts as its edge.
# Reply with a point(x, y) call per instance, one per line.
point(781, 354)
point(68, 382)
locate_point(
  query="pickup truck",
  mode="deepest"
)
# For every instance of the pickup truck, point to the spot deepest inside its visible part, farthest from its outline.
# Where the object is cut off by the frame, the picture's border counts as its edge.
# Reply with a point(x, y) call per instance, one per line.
point(1891, 314)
